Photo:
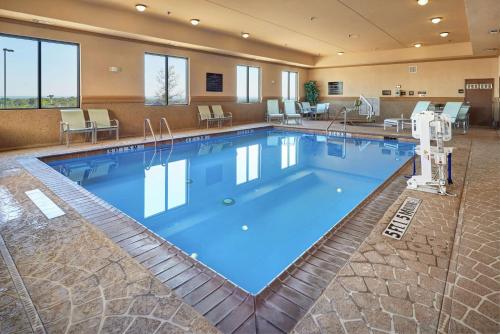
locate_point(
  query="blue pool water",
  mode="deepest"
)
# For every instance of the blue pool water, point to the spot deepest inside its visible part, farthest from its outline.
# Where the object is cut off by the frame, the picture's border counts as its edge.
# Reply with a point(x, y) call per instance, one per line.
point(248, 205)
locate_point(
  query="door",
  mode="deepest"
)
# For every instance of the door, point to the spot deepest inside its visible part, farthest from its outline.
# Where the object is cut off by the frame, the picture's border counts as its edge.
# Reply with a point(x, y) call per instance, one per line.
point(479, 94)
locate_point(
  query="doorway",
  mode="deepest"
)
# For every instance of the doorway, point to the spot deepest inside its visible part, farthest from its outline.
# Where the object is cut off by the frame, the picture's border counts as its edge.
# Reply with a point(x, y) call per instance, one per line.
point(479, 94)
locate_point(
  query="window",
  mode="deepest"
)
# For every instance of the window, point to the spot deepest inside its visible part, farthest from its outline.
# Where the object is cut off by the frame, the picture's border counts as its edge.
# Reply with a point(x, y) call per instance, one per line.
point(289, 84)
point(247, 163)
point(38, 73)
point(165, 80)
point(247, 84)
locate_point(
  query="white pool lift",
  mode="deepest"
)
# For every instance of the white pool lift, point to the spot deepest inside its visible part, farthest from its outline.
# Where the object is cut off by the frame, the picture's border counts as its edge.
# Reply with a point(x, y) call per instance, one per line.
point(431, 126)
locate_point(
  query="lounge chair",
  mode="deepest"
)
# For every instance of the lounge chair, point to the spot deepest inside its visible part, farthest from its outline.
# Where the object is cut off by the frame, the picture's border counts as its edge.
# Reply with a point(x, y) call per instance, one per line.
point(400, 122)
point(219, 114)
point(73, 121)
point(463, 117)
point(321, 110)
point(306, 109)
point(204, 114)
point(291, 113)
point(100, 118)
point(273, 111)
point(451, 109)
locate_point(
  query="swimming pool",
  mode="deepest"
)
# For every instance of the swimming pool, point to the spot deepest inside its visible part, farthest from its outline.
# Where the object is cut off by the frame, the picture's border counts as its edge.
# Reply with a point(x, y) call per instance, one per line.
point(245, 205)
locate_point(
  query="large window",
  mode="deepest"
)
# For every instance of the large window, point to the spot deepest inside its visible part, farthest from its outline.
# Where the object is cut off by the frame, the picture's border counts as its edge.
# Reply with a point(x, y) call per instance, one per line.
point(165, 80)
point(38, 73)
point(248, 84)
point(289, 84)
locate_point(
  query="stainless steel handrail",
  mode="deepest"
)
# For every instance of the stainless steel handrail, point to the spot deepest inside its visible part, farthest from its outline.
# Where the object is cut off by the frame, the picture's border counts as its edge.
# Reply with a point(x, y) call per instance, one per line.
point(163, 120)
point(147, 122)
point(334, 119)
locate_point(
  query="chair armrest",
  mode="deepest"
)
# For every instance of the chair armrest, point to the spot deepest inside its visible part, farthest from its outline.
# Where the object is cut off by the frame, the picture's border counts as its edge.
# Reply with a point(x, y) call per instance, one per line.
point(93, 125)
point(117, 122)
point(63, 125)
point(229, 113)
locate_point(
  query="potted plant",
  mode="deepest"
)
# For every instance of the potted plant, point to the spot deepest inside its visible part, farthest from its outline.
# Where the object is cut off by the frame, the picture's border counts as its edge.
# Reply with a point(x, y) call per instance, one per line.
point(312, 92)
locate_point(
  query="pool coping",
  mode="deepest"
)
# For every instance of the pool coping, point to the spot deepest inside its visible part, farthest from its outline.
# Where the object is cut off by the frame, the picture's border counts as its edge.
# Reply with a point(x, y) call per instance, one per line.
point(279, 306)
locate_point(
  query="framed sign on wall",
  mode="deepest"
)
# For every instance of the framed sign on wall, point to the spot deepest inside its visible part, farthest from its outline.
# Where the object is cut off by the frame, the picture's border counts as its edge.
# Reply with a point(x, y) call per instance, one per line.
point(214, 82)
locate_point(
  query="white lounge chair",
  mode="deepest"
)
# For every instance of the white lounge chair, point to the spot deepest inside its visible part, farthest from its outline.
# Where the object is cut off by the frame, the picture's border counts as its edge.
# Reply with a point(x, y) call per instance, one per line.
point(463, 117)
point(273, 111)
point(73, 121)
point(291, 113)
point(306, 109)
point(321, 110)
point(400, 122)
point(221, 116)
point(204, 115)
point(451, 109)
point(102, 122)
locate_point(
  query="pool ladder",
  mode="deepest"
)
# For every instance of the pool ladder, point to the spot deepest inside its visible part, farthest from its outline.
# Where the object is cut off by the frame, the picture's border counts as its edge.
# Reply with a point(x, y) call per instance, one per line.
point(163, 123)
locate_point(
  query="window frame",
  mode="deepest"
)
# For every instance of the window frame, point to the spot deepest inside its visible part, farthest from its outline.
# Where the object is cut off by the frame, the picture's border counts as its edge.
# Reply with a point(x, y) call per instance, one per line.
point(247, 100)
point(39, 70)
point(188, 81)
point(288, 86)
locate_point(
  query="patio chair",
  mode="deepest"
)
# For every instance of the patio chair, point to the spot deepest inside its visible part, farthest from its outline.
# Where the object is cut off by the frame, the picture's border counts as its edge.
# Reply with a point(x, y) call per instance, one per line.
point(321, 110)
point(451, 109)
point(221, 116)
point(73, 121)
point(306, 109)
point(400, 122)
point(463, 117)
point(291, 113)
point(273, 111)
point(204, 115)
point(100, 118)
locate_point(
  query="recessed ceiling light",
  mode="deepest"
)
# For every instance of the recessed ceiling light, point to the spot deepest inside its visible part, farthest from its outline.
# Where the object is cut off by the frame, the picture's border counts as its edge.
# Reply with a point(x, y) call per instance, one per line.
point(245, 35)
point(436, 20)
point(140, 7)
point(195, 22)
point(417, 45)
point(444, 34)
point(340, 53)
point(422, 2)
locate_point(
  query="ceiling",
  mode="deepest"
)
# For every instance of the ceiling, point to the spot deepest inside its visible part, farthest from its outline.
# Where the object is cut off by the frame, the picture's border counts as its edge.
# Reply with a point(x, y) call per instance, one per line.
point(318, 27)
point(306, 33)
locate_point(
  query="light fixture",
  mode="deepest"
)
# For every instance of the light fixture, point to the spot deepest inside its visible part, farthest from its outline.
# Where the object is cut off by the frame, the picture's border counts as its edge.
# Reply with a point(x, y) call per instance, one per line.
point(436, 20)
point(195, 22)
point(353, 36)
point(444, 34)
point(140, 7)
point(245, 35)
point(422, 2)
point(340, 53)
point(417, 45)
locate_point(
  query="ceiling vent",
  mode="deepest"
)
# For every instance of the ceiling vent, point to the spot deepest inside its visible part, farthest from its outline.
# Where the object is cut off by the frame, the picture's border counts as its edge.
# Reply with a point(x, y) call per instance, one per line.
point(412, 69)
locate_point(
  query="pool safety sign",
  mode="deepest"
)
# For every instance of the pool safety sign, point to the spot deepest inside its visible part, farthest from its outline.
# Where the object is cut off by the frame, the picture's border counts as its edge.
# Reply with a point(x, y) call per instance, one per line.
point(402, 219)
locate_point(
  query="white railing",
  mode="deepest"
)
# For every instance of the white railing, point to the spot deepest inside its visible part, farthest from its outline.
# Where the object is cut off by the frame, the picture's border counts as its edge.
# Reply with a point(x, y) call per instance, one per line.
point(370, 113)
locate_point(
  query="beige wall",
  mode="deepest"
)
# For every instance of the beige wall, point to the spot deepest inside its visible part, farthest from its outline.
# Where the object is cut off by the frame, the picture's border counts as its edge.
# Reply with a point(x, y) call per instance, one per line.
point(438, 78)
point(123, 92)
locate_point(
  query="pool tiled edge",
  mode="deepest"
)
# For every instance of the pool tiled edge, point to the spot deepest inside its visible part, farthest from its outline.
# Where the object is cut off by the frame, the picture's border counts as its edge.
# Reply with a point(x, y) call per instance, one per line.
point(278, 308)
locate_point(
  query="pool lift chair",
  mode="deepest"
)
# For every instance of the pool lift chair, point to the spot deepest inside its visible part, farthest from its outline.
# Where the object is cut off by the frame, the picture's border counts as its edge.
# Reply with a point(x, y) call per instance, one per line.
point(431, 126)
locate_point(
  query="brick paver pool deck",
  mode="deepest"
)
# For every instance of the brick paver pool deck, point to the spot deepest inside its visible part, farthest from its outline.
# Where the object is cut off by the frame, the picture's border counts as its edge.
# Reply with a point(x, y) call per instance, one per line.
point(79, 280)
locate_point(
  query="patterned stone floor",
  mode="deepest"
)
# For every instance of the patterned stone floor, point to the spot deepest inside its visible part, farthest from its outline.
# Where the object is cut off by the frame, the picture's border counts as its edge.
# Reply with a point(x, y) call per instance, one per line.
point(398, 286)
point(81, 282)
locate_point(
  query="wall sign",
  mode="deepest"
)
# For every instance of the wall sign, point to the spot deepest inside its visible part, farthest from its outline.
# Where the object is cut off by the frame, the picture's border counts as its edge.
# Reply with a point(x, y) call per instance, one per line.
point(411, 93)
point(386, 92)
point(335, 88)
point(214, 82)
point(402, 219)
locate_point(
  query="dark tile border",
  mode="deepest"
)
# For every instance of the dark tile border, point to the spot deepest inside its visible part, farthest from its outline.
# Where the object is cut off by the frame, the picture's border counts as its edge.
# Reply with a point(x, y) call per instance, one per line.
point(232, 310)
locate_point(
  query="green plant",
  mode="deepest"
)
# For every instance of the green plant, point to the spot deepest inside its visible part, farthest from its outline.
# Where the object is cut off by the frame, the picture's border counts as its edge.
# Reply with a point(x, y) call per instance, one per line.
point(312, 92)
